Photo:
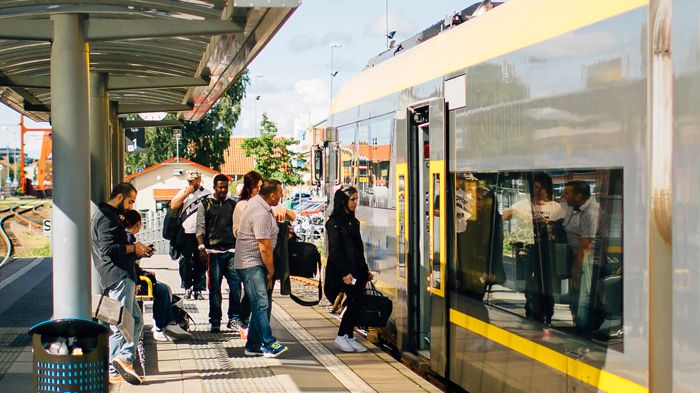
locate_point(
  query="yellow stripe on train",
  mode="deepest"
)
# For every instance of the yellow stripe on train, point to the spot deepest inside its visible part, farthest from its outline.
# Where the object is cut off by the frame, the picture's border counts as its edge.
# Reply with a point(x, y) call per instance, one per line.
point(584, 372)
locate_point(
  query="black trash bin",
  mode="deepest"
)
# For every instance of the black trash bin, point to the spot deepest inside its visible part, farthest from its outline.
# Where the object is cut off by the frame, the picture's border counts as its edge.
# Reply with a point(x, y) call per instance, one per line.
point(82, 364)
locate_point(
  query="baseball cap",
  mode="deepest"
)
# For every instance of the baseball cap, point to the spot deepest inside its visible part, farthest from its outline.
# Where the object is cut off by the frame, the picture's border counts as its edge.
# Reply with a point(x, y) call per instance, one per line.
point(191, 175)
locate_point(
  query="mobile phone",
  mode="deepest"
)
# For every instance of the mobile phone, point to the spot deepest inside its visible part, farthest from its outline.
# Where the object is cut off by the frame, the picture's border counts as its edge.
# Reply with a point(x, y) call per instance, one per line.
point(353, 281)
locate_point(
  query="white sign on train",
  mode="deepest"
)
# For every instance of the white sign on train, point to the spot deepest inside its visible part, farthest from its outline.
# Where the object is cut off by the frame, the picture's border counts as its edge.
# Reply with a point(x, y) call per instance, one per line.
point(47, 228)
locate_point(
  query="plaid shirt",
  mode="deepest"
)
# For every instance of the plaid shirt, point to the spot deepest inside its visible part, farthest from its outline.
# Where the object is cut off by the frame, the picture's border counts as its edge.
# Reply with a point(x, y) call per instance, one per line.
point(257, 223)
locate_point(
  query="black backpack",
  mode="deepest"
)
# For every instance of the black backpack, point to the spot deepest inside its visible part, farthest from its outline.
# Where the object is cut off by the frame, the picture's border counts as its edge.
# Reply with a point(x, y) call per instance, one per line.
point(181, 316)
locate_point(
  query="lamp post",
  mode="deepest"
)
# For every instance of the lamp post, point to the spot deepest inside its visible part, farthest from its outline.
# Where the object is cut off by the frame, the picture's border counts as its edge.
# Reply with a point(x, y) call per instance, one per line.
point(257, 98)
point(333, 45)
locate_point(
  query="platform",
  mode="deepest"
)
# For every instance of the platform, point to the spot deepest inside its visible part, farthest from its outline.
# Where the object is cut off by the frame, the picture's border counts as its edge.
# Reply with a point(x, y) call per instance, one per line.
point(214, 363)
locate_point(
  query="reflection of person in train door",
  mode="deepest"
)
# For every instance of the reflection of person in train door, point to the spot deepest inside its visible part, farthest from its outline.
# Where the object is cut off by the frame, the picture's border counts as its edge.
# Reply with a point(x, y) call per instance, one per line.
point(538, 213)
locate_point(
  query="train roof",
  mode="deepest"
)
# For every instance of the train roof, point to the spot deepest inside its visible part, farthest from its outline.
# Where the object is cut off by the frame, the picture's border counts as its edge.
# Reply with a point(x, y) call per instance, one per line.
point(504, 29)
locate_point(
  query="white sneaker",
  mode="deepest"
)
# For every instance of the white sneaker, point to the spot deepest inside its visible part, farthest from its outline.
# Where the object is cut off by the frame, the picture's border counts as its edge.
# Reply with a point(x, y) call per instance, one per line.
point(342, 343)
point(356, 345)
point(176, 332)
point(160, 335)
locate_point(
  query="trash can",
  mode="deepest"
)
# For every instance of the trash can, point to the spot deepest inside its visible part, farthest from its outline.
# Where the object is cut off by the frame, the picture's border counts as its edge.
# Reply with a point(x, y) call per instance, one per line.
point(70, 355)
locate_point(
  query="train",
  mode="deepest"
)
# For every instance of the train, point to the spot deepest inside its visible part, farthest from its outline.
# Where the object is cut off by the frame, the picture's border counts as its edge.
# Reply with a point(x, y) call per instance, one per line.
point(528, 187)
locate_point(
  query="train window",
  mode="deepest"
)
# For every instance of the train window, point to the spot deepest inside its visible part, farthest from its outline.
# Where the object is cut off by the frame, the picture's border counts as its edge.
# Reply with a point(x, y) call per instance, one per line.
point(374, 157)
point(436, 273)
point(545, 245)
point(346, 159)
point(403, 231)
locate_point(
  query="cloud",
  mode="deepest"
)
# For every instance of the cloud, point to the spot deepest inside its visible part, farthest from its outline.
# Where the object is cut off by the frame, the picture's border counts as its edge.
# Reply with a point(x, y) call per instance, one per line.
point(292, 109)
point(397, 22)
point(304, 41)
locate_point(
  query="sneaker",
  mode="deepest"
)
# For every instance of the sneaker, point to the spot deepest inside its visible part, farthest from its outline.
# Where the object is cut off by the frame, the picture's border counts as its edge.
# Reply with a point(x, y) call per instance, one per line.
point(233, 323)
point(215, 329)
point(126, 370)
point(116, 379)
point(160, 335)
point(188, 293)
point(249, 352)
point(342, 343)
point(273, 350)
point(198, 295)
point(176, 332)
point(356, 345)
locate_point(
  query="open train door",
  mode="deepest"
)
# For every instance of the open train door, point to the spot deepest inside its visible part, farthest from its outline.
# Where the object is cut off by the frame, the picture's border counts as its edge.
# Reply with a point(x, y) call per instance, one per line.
point(426, 174)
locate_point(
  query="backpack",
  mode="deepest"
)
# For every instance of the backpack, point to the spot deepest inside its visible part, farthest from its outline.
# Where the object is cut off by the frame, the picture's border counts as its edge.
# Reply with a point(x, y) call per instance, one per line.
point(173, 231)
point(182, 317)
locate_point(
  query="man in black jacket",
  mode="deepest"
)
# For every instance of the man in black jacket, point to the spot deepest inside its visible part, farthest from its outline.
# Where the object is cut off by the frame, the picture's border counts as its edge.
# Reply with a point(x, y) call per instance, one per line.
point(114, 258)
point(217, 244)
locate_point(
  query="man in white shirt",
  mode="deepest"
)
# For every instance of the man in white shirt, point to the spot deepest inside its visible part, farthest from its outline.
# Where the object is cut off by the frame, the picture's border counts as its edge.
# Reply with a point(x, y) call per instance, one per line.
point(192, 270)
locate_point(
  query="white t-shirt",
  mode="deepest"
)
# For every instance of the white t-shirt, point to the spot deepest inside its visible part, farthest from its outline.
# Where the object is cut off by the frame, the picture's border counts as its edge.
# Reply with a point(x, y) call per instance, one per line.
point(523, 210)
point(189, 208)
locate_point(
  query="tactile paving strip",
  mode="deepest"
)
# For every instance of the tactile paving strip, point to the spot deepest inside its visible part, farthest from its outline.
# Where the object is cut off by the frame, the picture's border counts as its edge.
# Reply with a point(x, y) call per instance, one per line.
point(219, 356)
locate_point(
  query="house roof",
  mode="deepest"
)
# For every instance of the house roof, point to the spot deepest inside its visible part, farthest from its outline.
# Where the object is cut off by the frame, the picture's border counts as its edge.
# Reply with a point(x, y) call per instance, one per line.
point(235, 161)
point(170, 161)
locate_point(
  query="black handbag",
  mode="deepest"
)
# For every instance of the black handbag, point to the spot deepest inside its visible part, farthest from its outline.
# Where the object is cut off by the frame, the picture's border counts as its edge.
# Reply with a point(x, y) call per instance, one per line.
point(303, 259)
point(376, 308)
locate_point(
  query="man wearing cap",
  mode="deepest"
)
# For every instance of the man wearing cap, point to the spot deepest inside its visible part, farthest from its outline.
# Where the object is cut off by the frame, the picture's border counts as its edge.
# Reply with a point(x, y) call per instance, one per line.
point(192, 270)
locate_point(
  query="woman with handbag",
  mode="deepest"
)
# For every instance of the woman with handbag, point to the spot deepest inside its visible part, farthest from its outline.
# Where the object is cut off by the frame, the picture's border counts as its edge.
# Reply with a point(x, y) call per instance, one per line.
point(346, 269)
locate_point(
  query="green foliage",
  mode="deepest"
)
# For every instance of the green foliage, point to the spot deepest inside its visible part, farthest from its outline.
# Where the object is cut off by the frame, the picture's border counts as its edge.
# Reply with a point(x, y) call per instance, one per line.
point(203, 142)
point(273, 159)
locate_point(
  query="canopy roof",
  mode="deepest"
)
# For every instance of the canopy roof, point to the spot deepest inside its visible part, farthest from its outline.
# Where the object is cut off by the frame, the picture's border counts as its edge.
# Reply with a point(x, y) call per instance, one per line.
point(160, 55)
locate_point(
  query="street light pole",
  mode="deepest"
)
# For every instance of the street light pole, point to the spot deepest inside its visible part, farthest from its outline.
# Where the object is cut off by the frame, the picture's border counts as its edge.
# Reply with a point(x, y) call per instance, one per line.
point(257, 98)
point(333, 45)
point(387, 24)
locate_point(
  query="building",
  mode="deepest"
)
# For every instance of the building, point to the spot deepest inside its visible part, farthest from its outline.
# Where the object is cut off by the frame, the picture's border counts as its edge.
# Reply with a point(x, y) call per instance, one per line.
point(236, 164)
point(157, 185)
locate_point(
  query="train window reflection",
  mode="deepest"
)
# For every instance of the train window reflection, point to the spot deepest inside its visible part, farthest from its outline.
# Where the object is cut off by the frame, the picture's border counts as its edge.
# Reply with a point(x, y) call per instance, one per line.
point(346, 149)
point(374, 157)
point(545, 245)
point(436, 272)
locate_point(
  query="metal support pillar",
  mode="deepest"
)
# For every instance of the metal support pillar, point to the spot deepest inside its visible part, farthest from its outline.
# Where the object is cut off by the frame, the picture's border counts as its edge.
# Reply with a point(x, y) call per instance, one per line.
point(115, 133)
point(117, 145)
point(70, 242)
point(100, 149)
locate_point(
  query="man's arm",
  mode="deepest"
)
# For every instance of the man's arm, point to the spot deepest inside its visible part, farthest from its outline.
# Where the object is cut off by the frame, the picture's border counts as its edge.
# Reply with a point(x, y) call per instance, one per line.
point(266, 254)
point(176, 203)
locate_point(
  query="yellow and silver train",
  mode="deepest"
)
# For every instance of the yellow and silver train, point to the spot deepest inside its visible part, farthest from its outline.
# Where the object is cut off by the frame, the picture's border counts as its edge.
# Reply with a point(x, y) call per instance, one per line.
point(529, 188)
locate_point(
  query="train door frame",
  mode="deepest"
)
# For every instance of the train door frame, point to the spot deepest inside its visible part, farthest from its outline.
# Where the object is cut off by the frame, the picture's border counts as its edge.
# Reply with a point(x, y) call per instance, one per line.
point(427, 187)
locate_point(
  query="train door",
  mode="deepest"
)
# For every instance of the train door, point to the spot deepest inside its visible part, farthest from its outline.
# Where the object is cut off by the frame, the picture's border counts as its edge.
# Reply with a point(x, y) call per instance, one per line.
point(427, 222)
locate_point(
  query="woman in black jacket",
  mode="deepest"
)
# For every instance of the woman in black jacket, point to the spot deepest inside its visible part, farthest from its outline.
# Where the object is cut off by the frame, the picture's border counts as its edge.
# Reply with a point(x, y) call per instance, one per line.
point(346, 269)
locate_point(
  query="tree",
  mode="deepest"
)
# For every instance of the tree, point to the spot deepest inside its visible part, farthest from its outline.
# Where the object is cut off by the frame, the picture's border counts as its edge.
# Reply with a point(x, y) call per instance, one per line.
point(203, 142)
point(273, 159)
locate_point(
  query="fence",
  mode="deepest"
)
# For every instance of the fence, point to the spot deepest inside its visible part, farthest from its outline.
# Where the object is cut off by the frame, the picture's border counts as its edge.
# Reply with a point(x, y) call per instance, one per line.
point(152, 231)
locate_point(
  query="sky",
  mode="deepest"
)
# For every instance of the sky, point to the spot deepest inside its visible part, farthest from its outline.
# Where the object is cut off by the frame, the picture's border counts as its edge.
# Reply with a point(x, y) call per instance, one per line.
point(292, 75)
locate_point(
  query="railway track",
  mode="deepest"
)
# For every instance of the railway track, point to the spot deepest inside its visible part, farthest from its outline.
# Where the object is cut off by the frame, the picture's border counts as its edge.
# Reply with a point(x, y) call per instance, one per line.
point(7, 239)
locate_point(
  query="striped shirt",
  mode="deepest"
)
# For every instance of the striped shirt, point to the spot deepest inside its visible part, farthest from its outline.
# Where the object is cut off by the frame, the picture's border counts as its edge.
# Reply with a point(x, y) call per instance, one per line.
point(257, 223)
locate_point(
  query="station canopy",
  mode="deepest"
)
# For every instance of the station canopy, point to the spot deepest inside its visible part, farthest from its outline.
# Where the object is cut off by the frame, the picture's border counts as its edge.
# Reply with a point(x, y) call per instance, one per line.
point(159, 55)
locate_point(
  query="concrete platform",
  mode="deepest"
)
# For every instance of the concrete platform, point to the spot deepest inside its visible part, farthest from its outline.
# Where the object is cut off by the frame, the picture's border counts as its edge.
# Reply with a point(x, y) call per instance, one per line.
point(213, 363)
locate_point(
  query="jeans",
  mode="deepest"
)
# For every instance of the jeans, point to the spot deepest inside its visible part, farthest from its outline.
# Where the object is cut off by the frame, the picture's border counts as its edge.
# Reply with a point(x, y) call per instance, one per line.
point(162, 305)
point(125, 293)
point(192, 270)
point(221, 265)
point(259, 330)
point(354, 297)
